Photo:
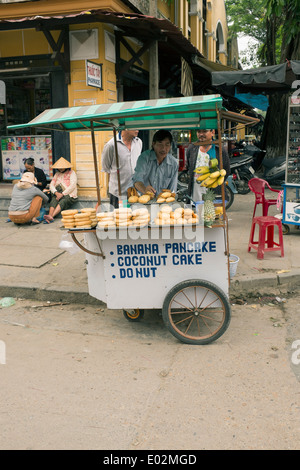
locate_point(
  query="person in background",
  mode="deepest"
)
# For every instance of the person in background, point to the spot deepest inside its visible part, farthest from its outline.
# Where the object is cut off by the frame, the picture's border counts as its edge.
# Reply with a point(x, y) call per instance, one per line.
point(26, 201)
point(63, 189)
point(156, 168)
point(199, 154)
point(129, 147)
point(38, 173)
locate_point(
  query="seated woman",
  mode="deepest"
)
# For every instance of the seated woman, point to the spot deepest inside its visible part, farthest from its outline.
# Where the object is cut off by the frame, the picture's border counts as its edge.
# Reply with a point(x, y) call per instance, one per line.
point(26, 201)
point(38, 173)
point(63, 189)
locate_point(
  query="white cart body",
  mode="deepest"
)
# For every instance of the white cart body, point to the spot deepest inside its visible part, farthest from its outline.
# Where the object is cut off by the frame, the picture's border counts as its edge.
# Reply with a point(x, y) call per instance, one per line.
point(140, 267)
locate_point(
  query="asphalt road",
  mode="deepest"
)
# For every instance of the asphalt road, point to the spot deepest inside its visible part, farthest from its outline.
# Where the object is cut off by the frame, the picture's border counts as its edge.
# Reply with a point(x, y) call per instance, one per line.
point(82, 377)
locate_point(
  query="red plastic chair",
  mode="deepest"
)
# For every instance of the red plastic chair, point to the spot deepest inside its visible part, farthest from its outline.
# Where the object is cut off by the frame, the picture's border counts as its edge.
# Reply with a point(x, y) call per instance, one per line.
point(265, 241)
point(257, 186)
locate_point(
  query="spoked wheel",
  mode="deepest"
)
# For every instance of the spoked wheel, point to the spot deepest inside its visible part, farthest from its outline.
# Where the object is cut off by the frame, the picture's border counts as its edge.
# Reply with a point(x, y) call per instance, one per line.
point(133, 314)
point(196, 312)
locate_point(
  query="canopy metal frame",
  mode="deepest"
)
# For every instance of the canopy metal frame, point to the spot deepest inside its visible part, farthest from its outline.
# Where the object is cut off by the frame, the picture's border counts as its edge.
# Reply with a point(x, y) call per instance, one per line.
point(189, 113)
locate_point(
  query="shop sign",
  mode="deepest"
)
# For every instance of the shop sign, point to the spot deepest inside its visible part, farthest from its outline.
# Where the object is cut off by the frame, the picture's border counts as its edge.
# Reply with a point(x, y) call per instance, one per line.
point(93, 74)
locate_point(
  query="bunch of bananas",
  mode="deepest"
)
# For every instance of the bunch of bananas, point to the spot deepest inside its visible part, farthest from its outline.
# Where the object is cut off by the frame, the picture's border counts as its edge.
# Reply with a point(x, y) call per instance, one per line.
point(210, 176)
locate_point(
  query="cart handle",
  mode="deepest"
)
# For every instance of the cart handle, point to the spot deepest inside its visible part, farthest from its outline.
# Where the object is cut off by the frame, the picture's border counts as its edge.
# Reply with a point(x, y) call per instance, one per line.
point(84, 248)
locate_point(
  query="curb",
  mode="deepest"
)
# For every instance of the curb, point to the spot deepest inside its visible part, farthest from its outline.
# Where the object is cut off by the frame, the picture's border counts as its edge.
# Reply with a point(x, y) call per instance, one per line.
point(252, 286)
point(34, 293)
point(277, 282)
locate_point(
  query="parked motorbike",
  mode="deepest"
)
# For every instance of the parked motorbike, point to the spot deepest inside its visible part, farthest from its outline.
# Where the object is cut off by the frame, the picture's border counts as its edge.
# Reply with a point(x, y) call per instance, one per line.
point(230, 191)
point(242, 171)
point(250, 150)
point(273, 170)
point(183, 177)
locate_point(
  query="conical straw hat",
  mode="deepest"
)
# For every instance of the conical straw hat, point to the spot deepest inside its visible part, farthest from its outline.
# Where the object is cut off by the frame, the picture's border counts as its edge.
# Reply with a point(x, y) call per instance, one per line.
point(62, 164)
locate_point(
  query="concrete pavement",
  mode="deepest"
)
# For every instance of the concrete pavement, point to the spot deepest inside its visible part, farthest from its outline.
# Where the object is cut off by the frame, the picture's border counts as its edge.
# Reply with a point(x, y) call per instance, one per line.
point(33, 266)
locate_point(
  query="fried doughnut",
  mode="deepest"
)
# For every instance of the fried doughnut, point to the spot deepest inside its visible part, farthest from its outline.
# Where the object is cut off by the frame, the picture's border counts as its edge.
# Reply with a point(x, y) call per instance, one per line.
point(181, 221)
point(166, 194)
point(166, 209)
point(122, 210)
point(85, 215)
point(188, 213)
point(142, 211)
point(88, 209)
point(80, 224)
point(133, 199)
point(106, 223)
point(69, 212)
point(144, 199)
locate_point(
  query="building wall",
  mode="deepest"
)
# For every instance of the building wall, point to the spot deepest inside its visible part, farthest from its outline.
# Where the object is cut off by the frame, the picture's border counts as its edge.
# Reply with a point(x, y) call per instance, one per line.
point(80, 95)
point(206, 29)
point(20, 43)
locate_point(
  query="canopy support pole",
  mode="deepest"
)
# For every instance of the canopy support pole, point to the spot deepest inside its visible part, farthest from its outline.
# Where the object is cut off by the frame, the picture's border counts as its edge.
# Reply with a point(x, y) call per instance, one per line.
point(117, 162)
point(221, 158)
point(225, 219)
point(95, 163)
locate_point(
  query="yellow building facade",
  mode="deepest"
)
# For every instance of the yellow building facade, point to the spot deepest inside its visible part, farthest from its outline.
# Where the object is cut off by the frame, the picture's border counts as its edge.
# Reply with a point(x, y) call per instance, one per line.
point(202, 23)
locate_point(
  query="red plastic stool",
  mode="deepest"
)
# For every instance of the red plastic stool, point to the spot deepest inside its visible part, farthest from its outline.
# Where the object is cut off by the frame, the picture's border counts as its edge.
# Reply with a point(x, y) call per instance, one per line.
point(266, 225)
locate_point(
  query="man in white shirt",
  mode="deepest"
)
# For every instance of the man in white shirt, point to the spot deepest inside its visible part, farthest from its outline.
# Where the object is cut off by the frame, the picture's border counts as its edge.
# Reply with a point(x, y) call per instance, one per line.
point(129, 147)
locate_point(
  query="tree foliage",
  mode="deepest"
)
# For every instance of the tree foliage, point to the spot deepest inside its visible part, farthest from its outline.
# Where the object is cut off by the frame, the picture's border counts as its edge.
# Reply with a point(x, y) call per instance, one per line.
point(275, 24)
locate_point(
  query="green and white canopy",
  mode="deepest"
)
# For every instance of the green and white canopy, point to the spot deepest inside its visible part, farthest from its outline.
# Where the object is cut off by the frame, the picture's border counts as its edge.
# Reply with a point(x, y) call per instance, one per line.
point(167, 113)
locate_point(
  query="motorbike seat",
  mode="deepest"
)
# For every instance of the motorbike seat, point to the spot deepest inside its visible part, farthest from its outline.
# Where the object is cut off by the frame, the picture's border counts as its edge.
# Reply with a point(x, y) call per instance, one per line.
point(258, 186)
point(240, 161)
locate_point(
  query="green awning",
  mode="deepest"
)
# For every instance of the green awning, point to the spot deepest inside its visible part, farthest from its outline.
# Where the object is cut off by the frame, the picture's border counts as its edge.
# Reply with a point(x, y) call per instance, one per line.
point(167, 113)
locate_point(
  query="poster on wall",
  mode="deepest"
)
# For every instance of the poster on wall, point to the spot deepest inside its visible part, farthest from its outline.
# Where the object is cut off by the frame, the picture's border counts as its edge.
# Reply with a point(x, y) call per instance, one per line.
point(15, 151)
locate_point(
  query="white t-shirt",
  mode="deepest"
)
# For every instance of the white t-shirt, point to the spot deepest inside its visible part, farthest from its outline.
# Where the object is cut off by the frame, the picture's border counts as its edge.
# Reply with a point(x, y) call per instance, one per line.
point(127, 163)
point(202, 160)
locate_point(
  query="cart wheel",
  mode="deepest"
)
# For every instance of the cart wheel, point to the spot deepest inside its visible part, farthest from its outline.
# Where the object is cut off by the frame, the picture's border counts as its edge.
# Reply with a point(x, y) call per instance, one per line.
point(196, 312)
point(285, 229)
point(134, 314)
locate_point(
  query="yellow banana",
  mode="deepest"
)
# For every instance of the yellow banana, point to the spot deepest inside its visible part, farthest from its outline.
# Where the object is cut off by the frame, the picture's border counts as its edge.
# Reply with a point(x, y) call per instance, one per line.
point(203, 177)
point(202, 169)
point(204, 182)
point(215, 174)
point(214, 185)
point(220, 180)
point(223, 172)
point(208, 181)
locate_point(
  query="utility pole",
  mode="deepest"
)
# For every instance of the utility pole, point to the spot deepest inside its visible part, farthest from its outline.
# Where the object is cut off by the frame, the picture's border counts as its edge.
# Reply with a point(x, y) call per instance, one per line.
point(153, 64)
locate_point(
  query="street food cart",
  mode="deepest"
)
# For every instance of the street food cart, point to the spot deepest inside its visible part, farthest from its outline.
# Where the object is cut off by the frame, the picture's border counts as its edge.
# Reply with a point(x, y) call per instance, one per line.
point(184, 270)
point(291, 188)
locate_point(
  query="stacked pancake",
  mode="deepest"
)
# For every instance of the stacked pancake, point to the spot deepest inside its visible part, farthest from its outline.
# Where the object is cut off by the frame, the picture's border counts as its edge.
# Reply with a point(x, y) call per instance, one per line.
point(180, 216)
point(92, 214)
point(83, 220)
point(105, 219)
point(71, 218)
point(140, 217)
point(123, 217)
point(68, 218)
